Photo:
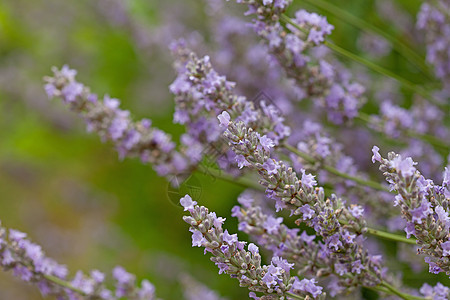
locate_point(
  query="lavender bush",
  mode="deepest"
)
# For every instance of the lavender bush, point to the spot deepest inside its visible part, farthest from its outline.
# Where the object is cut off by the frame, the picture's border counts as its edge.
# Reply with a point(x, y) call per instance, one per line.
point(316, 220)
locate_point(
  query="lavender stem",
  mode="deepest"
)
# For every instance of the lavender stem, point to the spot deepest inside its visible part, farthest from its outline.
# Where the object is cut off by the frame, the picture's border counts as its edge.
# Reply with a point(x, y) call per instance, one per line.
point(368, 183)
point(390, 236)
point(63, 283)
point(398, 293)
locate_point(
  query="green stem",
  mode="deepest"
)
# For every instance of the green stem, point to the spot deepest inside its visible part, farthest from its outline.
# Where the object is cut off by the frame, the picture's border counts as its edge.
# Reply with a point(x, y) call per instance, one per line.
point(389, 289)
point(364, 117)
point(390, 236)
point(294, 296)
point(378, 289)
point(63, 283)
point(406, 83)
point(399, 293)
point(241, 181)
point(310, 159)
point(398, 45)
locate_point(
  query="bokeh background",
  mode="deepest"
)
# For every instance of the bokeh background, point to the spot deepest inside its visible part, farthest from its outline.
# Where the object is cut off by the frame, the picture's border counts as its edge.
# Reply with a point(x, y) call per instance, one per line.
point(67, 189)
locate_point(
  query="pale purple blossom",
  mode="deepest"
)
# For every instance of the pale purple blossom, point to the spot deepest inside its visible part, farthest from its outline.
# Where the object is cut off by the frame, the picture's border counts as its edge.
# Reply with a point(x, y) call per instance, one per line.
point(307, 212)
point(187, 203)
point(308, 180)
point(271, 166)
point(376, 154)
point(224, 119)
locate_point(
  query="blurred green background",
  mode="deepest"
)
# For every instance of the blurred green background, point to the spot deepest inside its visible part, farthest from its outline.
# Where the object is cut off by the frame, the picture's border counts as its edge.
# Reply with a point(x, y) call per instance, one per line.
point(66, 188)
point(63, 186)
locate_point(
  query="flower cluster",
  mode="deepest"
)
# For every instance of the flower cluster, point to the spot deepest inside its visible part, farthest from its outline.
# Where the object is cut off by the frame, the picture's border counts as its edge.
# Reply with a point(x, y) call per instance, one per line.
point(310, 257)
point(240, 56)
point(201, 94)
point(298, 53)
point(424, 206)
point(229, 254)
point(433, 19)
point(29, 263)
point(439, 292)
point(341, 227)
point(105, 117)
point(421, 118)
point(416, 126)
point(255, 136)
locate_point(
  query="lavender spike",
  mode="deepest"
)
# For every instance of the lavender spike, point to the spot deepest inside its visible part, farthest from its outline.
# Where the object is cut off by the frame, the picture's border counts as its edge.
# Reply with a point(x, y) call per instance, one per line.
point(229, 254)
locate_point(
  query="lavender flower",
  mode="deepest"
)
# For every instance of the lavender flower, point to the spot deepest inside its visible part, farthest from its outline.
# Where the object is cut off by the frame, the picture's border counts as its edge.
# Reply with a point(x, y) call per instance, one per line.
point(310, 258)
point(439, 292)
point(111, 123)
point(201, 94)
point(433, 19)
point(211, 110)
point(424, 206)
point(421, 118)
point(318, 151)
point(29, 263)
point(240, 56)
point(328, 215)
point(318, 79)
point(229, 254)
point(197, 83)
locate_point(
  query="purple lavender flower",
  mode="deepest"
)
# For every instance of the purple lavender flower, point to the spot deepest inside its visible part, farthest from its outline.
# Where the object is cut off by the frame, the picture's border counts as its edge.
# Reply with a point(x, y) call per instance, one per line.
point(271, 166)
point(233, 259)
point(224, 119)
point(29, 263)
point(253, 248)
point(211, 97)
point(446, 248)
point(422, 203)
point(356, 211)
point(316, 79)
point(266, 142)
point(290, 192)
point(439, 292)
point(404, 166)
point(308, 285)
point(71, 91)
point(309, 257)
point(187, 203)
point(421, 212)
point(308, 180)
point(110, 122)
point(272, 224)
point(376, 154)
point(307, 212)
point(433, 21)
